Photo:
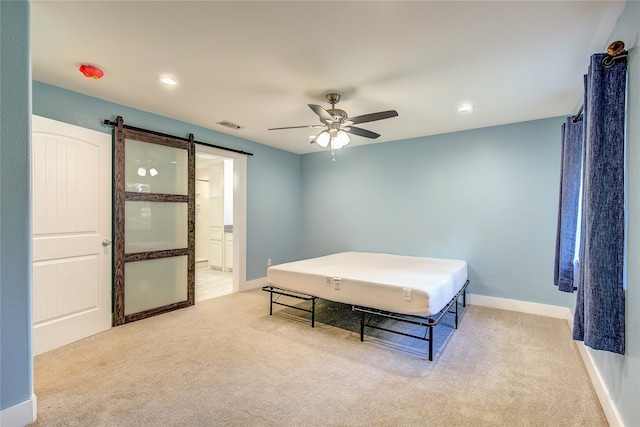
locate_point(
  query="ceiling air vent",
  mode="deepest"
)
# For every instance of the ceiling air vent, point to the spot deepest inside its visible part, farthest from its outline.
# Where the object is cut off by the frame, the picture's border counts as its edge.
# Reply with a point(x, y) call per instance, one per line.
point(228, 124)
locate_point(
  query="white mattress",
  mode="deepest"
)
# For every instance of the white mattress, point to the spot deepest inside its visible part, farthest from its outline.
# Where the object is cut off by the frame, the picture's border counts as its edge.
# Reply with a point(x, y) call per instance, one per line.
point(402, 284)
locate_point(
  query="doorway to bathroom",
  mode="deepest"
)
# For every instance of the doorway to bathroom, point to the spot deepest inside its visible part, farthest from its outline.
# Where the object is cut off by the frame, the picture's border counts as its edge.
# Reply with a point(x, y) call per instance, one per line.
point(214, 229)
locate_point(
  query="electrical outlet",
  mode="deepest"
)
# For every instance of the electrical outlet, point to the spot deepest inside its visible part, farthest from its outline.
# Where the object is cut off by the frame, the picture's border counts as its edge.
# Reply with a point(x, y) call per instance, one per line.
point(269, 262)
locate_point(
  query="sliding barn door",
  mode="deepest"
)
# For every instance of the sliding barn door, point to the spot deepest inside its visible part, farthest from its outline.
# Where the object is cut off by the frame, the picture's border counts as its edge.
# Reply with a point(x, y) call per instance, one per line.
point(154, 239)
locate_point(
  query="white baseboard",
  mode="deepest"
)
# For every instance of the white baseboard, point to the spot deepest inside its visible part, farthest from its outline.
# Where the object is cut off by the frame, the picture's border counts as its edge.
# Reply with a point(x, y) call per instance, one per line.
point(608, 407)
point(254, 284)
point(20, 415)
point(519, 306)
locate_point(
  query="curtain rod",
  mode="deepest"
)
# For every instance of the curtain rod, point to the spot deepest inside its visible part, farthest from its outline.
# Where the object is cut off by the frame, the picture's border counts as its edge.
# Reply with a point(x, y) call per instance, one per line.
point(115, 124)
point(615, 51)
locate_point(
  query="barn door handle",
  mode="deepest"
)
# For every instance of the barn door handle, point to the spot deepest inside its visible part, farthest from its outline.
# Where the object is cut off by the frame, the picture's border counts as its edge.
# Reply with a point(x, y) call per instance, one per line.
point(106, 242)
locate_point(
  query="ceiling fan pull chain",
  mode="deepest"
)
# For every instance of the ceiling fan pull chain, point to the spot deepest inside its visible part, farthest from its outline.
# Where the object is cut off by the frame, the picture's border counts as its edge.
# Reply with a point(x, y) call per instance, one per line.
point(333, 155)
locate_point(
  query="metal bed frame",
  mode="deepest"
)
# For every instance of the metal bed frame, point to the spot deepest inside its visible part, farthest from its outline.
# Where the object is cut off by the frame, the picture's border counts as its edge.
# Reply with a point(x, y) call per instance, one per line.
point(284, 292)
point(429, 322)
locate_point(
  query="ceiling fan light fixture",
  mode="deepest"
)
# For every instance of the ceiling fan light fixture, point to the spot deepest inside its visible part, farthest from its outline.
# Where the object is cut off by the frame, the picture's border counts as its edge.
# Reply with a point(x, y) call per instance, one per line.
point(340, 140)
point(323, 139)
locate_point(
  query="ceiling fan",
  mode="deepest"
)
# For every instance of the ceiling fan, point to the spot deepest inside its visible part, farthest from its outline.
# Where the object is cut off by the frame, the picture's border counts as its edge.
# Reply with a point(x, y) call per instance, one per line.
point(337, 124)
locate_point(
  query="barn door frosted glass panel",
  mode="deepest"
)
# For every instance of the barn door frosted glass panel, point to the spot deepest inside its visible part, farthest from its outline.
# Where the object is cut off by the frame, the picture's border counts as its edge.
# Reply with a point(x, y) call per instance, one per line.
point(155, 226)
point(154, 283)
point(153, 168)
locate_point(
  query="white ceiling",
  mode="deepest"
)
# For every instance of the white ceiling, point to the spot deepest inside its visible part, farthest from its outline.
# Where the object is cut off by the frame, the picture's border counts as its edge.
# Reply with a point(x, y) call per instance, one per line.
point(259, 64)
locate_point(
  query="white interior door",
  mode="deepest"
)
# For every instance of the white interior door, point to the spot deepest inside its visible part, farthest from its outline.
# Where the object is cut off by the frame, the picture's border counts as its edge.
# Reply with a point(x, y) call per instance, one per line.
point(71, 204)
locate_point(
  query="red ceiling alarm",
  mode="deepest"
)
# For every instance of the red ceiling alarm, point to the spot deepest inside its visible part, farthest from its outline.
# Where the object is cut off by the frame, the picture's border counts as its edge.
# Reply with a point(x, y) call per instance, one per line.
point(91, 71)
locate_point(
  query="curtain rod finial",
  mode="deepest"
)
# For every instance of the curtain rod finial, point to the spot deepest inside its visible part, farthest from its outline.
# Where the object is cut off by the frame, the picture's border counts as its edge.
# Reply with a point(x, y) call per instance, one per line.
point(615, 48)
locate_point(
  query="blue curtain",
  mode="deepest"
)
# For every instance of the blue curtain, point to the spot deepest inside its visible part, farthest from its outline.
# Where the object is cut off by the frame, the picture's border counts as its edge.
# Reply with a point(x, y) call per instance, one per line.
point(599, 318)
point(570, 177)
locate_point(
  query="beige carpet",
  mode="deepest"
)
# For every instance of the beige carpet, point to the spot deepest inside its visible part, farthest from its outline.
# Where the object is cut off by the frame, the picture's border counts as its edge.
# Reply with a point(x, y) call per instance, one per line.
point(226, 362)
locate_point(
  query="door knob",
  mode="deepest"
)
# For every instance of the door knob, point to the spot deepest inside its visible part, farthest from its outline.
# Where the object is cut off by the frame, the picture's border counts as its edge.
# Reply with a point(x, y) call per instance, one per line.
point(106, 242)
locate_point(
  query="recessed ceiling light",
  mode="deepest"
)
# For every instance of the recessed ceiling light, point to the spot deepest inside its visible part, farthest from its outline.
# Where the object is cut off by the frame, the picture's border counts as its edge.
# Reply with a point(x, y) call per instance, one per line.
point(465, 108)
point(168, 81)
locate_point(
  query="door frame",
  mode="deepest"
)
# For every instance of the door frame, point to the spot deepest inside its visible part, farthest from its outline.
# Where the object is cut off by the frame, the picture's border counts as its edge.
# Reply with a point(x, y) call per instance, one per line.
point(239, 272)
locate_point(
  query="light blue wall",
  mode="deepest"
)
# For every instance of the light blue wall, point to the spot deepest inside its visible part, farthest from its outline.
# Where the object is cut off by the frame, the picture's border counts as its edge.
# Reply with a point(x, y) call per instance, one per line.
point(273, 214)
point(488, 196)
point(16, 377)
point(273, 176)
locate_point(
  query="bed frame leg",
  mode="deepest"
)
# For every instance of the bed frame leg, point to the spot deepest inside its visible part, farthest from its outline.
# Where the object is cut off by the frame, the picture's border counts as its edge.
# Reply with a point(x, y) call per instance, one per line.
point(456, 322)
point(361, 326)
point(271, 303)
point(313, 312)
point(430, 343)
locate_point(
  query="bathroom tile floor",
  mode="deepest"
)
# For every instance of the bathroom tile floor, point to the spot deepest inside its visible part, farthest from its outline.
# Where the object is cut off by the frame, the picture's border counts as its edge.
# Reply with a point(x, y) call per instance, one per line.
point(211, 283)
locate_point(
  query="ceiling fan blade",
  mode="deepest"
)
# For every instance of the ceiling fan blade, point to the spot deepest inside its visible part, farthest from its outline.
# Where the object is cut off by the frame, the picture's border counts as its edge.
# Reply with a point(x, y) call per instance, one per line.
point(361, 132)
point(298, 127)
point(324, 114)
point(374, 116)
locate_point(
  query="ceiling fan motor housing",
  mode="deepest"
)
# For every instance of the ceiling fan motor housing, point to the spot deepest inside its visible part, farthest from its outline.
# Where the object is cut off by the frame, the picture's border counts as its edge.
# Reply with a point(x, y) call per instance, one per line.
point(338, 114)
